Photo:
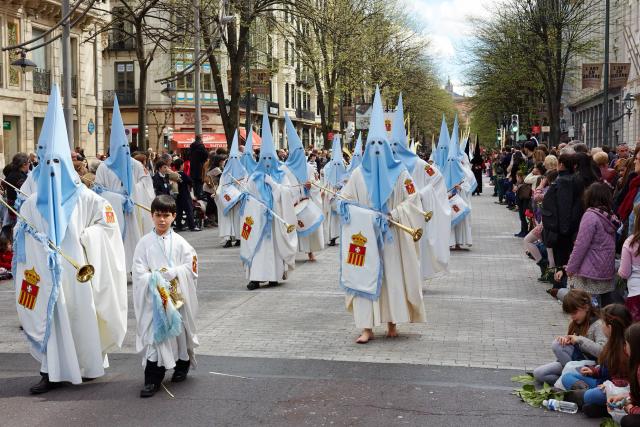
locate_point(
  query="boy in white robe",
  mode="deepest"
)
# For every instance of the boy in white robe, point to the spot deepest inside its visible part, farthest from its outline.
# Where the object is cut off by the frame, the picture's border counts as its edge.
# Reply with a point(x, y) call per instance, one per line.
point(335, 176)
point(165, 273)
point(461, 232)
point(384, 185)
point(70, 325)
point(232, 176)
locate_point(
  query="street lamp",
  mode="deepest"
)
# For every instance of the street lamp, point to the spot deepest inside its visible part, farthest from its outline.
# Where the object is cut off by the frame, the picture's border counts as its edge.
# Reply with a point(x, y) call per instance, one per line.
point(629, 102)
point(169, 91)
point(24, 63)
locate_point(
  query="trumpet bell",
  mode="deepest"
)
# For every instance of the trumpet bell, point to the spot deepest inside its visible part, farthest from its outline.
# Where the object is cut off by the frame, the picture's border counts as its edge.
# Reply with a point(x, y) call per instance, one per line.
point(290, 228)
point(417, 234)
point(427, 216)
point(85, 273)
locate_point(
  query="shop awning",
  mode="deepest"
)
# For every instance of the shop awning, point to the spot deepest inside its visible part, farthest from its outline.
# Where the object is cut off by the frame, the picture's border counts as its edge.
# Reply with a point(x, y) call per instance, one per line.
point(257, 141)
point(210, 140)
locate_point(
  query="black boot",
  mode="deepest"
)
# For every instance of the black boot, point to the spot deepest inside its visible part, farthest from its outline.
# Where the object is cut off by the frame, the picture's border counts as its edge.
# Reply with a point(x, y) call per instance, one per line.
point(44, 385)
point(237, 243)
point(253, 285)
point(332, 242)
point(227, 244)
point(273, 284)
point(544, 265)
point(153, 376)
point(180, 371)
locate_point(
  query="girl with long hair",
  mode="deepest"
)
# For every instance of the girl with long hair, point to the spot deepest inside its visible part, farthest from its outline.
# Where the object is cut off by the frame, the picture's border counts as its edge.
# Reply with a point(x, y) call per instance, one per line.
point(630, 267)
point(584, 339)
point(612, 363)
point(631, 404)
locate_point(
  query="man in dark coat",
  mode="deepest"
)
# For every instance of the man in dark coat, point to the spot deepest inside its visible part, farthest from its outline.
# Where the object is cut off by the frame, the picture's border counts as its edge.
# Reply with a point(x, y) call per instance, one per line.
point(197, 158)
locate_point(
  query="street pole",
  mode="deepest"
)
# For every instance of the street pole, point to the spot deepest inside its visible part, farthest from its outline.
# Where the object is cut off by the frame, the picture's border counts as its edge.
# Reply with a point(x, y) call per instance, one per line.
point(247, 109)
point(196, 69)
point(605, 107)
point(66, 73)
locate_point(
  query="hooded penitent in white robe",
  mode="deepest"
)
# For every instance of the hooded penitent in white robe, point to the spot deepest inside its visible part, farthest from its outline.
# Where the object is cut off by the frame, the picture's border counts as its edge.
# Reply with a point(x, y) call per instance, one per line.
point(229, 224)
point(331, 217)
point(88, 319)
point(434, 245)
point(277, 250)
point(136, 224)
point(173, 253)
point(314, 241)
point(400, 298)
point(461, 232)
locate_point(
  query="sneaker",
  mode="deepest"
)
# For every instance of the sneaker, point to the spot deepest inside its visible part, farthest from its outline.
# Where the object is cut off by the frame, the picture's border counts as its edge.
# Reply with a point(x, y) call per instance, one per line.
point(227, 244)
point(195, 229)
point(521, 235)
point(237, 243)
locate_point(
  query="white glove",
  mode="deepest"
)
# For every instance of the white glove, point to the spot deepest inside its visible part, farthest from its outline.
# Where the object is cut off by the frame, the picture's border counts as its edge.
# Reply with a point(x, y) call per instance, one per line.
point(169, 274)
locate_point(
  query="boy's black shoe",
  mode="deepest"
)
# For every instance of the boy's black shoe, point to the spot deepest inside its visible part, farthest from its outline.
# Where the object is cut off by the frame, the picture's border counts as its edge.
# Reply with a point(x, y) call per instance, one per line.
point(332, 242)
point(273, 283)
point(253, 285)
point(180, 371)
point(44, 385)
point(227, 244)
point(149, 390)
point(237, 243)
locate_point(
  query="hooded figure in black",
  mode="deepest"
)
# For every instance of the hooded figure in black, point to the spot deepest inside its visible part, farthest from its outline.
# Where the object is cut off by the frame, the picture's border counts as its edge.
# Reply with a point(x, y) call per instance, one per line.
point(477, 166)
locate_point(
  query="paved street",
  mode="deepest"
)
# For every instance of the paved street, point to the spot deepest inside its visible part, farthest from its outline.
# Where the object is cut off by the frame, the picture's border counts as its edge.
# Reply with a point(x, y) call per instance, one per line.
point(286, 355)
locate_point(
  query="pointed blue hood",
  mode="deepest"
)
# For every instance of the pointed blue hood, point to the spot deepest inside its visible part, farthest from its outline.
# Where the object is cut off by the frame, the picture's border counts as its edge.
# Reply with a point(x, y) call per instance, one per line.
point(247, 159)
point(442, 150)
point(119, 160)
point(454, 174)
point(296, 161)
point(379, 168)
point(399, 139)
point(356, 158)
point(268, 162)
point(334, 172)
point(59, 184)
point(234, 166)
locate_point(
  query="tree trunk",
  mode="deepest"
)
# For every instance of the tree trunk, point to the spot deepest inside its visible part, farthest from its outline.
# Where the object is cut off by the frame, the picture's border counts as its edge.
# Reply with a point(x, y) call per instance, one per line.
point(142, 88)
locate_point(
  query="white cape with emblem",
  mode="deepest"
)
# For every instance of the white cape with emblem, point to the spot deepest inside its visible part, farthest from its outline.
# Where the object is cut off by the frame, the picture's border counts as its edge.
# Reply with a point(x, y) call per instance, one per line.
point(229, 224)
point(88, 319)
point(401, 290)
point(252, 222)
point(360, 266)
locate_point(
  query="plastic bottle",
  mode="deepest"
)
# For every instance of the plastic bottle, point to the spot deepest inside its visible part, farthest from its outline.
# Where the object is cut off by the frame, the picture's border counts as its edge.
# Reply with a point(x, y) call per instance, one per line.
point(560, 406)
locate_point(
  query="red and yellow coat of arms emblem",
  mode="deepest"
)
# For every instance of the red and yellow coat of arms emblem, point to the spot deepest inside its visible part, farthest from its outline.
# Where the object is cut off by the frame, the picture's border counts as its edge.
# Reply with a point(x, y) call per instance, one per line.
point(109, 215)
point(429, 170)
point(246, 227)
point(357, 250)
point(194, 264)
point(408, 185)
point(226, 197)
point(455, 208)
point(29, 289)
point(300, 224)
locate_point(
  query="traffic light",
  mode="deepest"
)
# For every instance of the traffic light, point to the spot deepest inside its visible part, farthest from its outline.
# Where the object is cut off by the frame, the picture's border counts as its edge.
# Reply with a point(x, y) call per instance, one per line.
point(515, 123)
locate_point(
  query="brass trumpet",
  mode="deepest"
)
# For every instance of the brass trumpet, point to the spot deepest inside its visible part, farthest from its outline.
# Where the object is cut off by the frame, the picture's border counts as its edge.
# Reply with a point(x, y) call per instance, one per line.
point(84, 273)
point(174, 291)
point(416, 233)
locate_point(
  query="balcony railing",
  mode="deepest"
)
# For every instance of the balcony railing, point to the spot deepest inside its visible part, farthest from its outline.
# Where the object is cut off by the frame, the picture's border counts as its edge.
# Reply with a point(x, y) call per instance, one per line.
point(303, 78)
point(41, 81)
point(305, 114)
point(125, 97)
point(121, 42)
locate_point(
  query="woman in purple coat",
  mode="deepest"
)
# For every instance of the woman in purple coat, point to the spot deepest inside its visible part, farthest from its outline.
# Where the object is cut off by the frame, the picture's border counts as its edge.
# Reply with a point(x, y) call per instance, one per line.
point(591, 266)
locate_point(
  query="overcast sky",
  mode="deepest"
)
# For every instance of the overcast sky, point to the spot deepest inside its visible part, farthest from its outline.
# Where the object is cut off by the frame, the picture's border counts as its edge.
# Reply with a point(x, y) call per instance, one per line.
point(446, 24)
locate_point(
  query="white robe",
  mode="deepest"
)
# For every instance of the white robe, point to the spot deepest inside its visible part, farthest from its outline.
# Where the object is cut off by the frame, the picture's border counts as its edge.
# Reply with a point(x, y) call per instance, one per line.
point(136, 224)
point(400, 298)
point(89, 319)
point(331, 218)
point(314, 242)
point(461, 233)
point(229, 224)
point(277, 252)
point(434, 245)
point(172, 252)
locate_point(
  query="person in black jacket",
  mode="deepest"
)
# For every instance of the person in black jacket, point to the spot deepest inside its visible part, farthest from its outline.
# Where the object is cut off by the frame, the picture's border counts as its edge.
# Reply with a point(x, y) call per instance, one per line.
point(161, 184)
point(562, 210)
point(198, 156)
point(184, 201)
point(15, 174)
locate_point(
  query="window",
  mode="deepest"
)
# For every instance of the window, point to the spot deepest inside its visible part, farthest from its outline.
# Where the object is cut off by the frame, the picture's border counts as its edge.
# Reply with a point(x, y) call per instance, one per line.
point(41, 74)
point(125, 82)
point(13, 37)
point(286, 95)
point(293, 96)
point(286, 52)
